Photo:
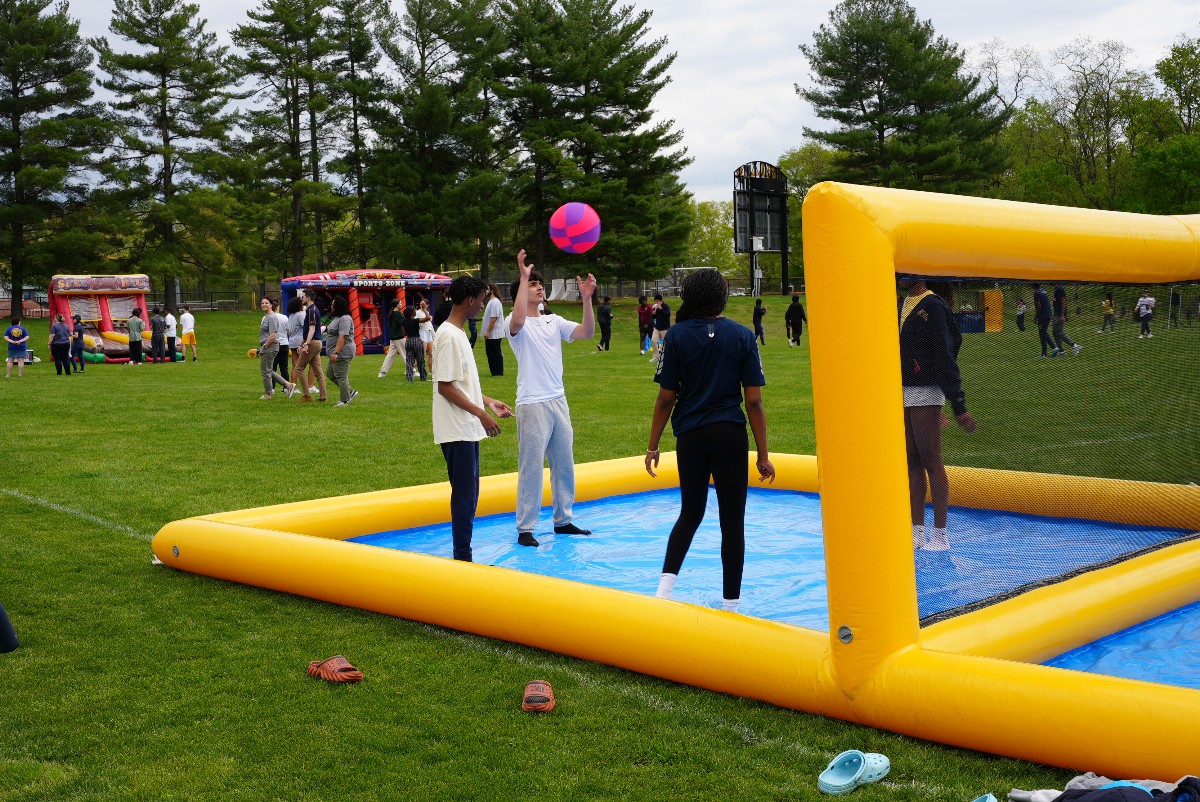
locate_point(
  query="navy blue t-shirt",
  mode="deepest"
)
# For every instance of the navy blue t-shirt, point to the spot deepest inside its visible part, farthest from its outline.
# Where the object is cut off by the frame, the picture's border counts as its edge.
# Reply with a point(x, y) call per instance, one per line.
point(708, 361)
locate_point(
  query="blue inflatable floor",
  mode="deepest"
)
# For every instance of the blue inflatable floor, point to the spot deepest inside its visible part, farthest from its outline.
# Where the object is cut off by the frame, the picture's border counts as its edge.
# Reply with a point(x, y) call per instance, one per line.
point(1161, 650)
point(994, 552)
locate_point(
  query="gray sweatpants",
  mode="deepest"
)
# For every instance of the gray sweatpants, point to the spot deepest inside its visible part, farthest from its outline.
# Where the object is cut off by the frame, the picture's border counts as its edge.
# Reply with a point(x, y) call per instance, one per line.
point(266, 366)
point(544, 433)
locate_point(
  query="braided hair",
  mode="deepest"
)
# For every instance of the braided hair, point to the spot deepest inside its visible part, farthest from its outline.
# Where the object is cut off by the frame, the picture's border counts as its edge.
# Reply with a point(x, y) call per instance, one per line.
point(703, 294)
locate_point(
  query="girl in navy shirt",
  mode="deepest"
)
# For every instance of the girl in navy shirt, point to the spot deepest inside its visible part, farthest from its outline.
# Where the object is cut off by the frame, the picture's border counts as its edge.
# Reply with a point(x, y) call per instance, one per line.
point(710, 364)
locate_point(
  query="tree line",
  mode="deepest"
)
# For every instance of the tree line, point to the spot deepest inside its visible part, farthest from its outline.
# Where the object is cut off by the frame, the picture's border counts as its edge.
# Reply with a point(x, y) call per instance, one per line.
point(904, 107)
point(433, 135)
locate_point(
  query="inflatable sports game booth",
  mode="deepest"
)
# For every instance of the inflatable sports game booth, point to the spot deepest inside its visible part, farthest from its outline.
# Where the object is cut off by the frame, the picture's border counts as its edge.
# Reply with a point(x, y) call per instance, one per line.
point(370, 294)
point(104, 305)
point(977, 679)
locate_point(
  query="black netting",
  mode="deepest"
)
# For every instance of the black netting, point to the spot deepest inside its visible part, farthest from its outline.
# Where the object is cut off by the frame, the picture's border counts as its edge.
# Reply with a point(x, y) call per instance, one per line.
point(1112, 398)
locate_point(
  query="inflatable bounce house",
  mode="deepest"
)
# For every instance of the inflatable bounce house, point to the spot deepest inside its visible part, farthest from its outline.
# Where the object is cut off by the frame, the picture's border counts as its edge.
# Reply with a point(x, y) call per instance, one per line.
point(104, 304)
point(845, 615)
point(370, 294)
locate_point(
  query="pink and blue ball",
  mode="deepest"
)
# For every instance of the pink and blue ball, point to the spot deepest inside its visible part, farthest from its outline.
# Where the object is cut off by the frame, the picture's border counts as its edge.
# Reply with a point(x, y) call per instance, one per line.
point(574, 227)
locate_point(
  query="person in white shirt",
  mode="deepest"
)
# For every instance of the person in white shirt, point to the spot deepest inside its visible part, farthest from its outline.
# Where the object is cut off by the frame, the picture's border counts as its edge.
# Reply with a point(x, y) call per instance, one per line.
point(460, 410)
point(1145, 313)
point(188, 323)
point(171, 329)
point(544, 430)
point(493, 331)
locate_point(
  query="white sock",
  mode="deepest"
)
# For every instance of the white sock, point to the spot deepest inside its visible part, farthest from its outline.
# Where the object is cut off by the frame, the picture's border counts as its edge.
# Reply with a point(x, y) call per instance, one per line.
point(938, 540)
point(918, 536)
point(730, 605)
point(666, 585)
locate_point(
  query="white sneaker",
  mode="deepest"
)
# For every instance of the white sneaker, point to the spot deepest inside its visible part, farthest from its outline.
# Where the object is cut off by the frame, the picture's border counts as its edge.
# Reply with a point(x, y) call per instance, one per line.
point(381, 375)
point(353, 395)
point(642, 352)
point(938, 543)
point(1076, 348)
point(340, 404)
point(791, 344)
point(1141, 336)
point(1151, 336)
point(312, 389)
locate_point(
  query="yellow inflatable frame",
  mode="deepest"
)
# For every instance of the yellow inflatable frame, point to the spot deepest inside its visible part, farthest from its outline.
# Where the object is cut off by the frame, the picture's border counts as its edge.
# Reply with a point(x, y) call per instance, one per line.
point(970, 681)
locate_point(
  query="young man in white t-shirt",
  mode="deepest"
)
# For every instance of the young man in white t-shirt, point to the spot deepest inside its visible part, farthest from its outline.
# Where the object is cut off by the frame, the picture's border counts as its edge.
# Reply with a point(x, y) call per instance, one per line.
point(544, 429)
point(171, 329)
point(493, 331)
point(460, 410)
point(188, 324)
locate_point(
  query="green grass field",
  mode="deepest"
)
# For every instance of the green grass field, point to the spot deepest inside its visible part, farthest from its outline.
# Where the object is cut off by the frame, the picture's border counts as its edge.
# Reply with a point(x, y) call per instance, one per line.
point(136, 682)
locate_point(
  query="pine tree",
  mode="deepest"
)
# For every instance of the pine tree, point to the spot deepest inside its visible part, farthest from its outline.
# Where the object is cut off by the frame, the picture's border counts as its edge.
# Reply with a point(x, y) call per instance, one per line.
point(585, 80)
point(171, 91)
point(907, 113)
point(284, 53)
point(49, 137)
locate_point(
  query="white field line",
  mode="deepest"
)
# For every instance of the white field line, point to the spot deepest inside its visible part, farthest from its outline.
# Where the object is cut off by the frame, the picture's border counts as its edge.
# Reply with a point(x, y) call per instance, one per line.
point(86, 516)
point(644, 697)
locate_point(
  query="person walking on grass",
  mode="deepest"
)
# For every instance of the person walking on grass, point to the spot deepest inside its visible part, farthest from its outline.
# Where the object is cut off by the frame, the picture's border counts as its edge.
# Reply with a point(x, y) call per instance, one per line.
point(59, 344)
point(1060, 320)
point(283, 358)
point(17, 338)
point(461, 411)
point(710, 366)
point(310, 351)
point(929, 344)
point(1042, 316)
point(604, 316)
point(414, 349)
point(794, 320)
point(187, 324)
point(1110, 315)
point(1145, 313)
point(662, 322)
point(395, 330)
point(759, 312)
point(270, 332)
point(77, 333)
point(645, 324)
point(340, 346)
point(544, 430)
point(493, 331)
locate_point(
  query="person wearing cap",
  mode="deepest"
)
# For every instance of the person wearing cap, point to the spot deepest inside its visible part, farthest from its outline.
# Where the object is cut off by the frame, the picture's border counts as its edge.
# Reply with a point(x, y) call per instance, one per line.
point(77, 332)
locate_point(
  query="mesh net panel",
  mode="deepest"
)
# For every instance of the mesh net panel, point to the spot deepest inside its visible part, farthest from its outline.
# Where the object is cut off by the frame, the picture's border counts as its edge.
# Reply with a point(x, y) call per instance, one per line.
point(1112, 398)
point(86, 306)
point(121, 306)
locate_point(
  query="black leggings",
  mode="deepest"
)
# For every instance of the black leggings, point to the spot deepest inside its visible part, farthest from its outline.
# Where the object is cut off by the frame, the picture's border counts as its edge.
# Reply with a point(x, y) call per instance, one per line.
point(718, 450)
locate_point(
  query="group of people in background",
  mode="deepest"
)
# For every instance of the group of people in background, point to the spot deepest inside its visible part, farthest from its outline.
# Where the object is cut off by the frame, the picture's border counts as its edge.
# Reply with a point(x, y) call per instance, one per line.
point(1051, 318)
point(66, 340)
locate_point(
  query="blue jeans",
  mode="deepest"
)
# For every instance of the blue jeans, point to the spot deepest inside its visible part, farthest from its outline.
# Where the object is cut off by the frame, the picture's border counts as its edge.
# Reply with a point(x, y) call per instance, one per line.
point(462, 467)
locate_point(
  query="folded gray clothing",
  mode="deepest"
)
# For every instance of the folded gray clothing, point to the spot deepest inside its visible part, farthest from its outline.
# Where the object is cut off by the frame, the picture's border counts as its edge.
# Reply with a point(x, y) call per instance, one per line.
point(1086, 781)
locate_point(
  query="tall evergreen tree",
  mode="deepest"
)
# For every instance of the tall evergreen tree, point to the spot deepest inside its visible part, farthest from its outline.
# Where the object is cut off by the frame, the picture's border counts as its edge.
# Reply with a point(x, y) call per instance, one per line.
point(281, 56)
point(49, 136)
point(907, 113)
point(356, 85)
point(171, 91)
point(585, 79)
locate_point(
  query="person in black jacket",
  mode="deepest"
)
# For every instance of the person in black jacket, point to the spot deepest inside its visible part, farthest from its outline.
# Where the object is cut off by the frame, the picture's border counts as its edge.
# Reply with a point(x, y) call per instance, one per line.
point(793, 321)
point(604, 316)
point(929, 343)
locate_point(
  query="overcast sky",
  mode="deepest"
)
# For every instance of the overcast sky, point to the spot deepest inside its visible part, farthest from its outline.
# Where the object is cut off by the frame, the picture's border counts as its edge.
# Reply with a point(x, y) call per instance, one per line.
point(731, 89)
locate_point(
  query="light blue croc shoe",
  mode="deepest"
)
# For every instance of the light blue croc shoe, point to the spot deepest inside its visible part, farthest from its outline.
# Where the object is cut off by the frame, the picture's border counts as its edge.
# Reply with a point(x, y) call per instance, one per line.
point(851, 769)
point(985, 798)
